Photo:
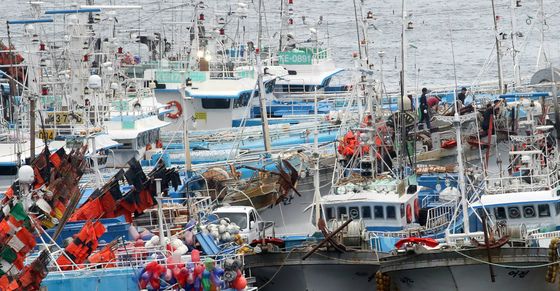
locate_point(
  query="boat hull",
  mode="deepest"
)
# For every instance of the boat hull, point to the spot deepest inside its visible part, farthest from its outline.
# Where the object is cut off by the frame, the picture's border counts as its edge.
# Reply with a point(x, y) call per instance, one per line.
point(471, 278)
point(452, 271)
point(322, 271)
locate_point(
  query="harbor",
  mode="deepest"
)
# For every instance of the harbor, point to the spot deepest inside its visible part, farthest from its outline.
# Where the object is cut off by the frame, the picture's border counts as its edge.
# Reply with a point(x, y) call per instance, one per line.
point(279, 145)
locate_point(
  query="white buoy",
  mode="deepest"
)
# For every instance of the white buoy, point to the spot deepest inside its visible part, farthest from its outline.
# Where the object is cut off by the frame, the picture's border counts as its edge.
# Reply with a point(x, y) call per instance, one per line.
point(94, 82)
point(26, 175)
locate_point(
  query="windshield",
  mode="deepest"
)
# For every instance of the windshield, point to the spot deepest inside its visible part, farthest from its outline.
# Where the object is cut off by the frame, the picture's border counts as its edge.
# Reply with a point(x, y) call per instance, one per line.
point(238, 218)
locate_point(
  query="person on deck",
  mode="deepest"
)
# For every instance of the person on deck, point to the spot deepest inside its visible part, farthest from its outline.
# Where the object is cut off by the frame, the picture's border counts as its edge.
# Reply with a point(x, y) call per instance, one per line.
point(462, 96)
point(424, 109)
point(491, 110)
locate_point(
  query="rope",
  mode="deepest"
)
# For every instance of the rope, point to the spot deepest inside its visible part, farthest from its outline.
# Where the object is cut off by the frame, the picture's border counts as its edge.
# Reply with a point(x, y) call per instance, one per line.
point(507, 266)
point(277, 271)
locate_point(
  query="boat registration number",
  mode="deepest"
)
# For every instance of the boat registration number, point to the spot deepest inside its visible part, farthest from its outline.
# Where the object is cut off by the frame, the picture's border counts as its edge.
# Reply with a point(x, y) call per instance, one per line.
point(64, 118)
point(295, 58)
point(46, 134)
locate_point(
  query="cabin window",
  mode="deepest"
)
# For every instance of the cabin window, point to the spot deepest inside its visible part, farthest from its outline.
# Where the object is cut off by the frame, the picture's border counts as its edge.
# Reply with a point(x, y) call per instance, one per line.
point(402, 210)
point(529, 211)
point(341, 211)
point(557, 207)
point(513, 212)
point(391, 212)
point(126, 145)
point(366, 212)
point(252, 217)
point(219, 103)
point(544, 210)
point(354, 212)
point(329, 212)
point(378, 212)
point(500, 213)
point(238, 218)
point(558, 192)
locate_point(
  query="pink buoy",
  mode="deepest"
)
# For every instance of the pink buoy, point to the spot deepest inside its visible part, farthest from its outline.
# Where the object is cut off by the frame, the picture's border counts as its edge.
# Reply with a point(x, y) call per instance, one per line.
point(168, 275)
point(189, 238)
point(195, 256)
point(133, 233)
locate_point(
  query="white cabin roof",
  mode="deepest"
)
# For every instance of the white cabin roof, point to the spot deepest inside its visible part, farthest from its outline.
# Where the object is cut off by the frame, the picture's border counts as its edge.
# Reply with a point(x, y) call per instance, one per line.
point(517, 198)
point(367, 196)
point(223, 88)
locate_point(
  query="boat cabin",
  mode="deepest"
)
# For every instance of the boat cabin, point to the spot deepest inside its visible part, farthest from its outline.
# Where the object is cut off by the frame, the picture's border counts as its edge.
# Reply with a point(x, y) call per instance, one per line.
point(214, 103)
point(309, 69)
point(377, 204)
point(539, 209)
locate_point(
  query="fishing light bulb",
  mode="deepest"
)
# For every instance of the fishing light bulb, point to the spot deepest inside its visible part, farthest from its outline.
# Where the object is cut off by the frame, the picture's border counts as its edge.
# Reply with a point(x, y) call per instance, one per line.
point(200, 54)
point(208, 57)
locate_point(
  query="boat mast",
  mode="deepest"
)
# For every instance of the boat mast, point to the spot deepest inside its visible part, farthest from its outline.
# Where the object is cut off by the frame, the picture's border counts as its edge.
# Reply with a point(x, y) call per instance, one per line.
point(556, 107)
point(316, 176)
point(516, 70)
point(262, 89)
point(498, 53)
point(281, 25)
point(358, 31)
point(403, 88)
point(186, 142)
point(457, 125)
point(541, 46)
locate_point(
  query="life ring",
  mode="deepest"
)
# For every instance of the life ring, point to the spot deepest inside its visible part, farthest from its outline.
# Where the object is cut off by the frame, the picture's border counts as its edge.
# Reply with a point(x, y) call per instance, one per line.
point(408, 213)
point(416, 208)
point(179, 111)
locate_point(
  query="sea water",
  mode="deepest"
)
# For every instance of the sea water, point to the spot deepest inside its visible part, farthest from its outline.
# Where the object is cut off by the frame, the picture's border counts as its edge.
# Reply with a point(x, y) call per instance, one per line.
point(428, 53)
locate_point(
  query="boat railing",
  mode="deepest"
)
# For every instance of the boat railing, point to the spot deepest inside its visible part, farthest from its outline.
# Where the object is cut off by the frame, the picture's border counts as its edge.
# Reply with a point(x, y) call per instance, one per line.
point(398, 234)
point(461, 239)
point(521, 183)
point(232, 135)
point(330, 97)
point(374, 244)
point(296, 94)
point(440, 215)
point(176, 212)
point(543, 235)
point(127, 256)
point(429, 199)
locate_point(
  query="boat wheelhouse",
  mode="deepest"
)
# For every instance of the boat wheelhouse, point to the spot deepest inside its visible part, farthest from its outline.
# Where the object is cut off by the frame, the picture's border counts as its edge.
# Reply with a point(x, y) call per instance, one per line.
point(212, 101)
point(380, 204)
